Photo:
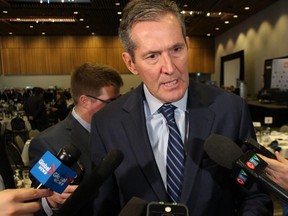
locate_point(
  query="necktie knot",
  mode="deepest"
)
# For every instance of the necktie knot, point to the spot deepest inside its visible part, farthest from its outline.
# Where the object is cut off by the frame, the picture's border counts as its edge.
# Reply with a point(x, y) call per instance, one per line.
point(167, 111)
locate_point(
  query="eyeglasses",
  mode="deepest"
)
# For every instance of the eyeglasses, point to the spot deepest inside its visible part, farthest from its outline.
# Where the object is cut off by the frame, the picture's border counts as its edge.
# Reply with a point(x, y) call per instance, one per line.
point(103, 101)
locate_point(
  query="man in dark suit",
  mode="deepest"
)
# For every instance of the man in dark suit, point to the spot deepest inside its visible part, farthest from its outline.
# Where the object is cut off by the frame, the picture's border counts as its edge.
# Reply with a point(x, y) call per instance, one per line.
point(92, 87)
point(156, 49)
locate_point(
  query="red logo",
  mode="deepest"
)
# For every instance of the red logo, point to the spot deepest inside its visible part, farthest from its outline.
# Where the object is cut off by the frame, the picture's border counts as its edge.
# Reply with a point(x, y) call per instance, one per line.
point(240, 181)
point(69, 180)
point(52, 170)
point(250, 165)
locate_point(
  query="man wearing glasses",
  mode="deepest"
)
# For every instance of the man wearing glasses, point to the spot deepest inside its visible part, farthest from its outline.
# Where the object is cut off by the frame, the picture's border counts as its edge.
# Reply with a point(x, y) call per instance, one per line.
point(92, 87)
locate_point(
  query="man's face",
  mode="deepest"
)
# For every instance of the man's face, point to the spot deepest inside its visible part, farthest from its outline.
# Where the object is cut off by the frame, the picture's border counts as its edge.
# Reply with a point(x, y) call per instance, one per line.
point(161, 58)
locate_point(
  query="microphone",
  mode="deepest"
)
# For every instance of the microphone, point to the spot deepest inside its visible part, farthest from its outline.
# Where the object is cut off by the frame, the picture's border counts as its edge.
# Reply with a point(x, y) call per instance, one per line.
point(89, 188)
point(135, 207)
point(258, 148)
point(54, 172)
point(246, 167)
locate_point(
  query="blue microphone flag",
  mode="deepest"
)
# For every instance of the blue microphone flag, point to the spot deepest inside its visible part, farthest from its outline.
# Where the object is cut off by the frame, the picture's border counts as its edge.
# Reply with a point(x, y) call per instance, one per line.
point(53, 174)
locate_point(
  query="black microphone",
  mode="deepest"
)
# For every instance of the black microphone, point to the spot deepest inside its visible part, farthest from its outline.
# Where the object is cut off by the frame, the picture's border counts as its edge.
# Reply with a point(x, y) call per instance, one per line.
point(69, 155)
point(246, 167)
point(135, 207)
point(89, 187)
point(253, 145)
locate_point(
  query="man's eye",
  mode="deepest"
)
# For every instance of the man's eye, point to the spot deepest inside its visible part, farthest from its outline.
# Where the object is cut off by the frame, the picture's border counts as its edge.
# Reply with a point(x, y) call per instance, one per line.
point(177, 50)
point(151, 56)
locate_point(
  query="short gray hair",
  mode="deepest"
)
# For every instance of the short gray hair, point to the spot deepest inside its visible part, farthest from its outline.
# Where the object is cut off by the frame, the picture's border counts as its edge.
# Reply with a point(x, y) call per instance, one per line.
point(145, 10)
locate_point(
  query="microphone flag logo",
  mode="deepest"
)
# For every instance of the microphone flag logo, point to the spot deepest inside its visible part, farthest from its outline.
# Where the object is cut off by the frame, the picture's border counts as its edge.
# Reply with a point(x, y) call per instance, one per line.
point(52, 173)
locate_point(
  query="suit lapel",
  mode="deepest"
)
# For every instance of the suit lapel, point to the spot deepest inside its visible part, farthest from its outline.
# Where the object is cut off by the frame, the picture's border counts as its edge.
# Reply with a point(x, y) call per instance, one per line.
point(80, 138)
point(200, 119)
point(142, 149)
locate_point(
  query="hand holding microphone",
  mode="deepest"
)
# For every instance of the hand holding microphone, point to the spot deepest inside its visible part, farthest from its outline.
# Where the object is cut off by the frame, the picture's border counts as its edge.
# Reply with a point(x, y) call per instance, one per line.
point(277, 170)
point(55, 173)
point(246, 167)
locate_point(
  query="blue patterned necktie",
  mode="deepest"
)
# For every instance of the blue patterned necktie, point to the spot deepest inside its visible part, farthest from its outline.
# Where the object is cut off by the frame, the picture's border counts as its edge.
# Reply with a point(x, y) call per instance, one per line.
point(175, 155)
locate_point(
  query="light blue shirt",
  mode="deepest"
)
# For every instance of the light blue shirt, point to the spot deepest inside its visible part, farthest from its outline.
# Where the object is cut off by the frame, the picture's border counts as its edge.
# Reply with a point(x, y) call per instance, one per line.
point(85, 124)
point(158, 130)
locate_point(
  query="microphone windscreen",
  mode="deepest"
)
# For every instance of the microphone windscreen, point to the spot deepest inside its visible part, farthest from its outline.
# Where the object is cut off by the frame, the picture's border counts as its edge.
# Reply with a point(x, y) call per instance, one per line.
point(88, 188)
point(69, 155)
point(135, 207)
point(222, 150)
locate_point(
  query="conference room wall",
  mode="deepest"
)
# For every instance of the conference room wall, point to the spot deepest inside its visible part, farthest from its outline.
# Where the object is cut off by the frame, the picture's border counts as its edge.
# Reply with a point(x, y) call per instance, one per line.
point(263, 36)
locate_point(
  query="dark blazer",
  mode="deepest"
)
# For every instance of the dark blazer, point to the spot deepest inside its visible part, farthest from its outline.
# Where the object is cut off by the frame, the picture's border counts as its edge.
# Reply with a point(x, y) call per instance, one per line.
point(68, 131)
point(208, 188)
point(5, 167)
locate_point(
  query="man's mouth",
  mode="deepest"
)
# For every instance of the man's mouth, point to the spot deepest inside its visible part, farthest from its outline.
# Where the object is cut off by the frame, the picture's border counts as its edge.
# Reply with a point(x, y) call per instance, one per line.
point(170, 83)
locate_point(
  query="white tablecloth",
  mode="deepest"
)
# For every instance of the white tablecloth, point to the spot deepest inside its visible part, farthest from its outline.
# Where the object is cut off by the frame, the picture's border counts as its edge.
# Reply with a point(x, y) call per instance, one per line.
point(280, 137)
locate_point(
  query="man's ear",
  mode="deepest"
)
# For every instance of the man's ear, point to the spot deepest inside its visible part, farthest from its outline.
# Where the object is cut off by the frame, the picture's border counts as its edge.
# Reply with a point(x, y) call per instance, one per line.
point(129, 62)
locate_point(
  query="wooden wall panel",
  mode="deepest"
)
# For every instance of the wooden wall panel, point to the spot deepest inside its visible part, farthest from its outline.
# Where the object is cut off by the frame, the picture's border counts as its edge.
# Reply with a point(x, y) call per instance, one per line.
point(59, 55)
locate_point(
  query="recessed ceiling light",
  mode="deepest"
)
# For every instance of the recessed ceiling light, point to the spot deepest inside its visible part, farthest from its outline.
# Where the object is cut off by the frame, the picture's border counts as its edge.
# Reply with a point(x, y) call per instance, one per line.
point(185, 5)
point(48, 19)
point(208, 34)
point(81, 19)
point(226, 22)
point(31, 26)
point(247, 8)
point(217, 28)
point(10, 33)
point(75, 12)
point(208, 14)
point(43, 33)
point(235, 16)
point(117, 3)
point(87, 26)
point(93, 33)
point(119, 12)
point(5, 12)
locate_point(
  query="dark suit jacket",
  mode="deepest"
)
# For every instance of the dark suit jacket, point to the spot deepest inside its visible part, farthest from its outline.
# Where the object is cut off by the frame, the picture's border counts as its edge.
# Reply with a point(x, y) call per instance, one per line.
point(5, 168)
point(208, 188)
point(68, 131)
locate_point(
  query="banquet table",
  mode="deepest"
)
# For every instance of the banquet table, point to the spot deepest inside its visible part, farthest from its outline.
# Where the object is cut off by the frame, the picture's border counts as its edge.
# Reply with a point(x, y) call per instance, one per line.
point(6, 124)
point(280, 137)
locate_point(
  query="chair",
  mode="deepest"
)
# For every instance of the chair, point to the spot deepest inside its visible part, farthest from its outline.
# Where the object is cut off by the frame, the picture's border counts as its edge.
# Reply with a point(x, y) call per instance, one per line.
point(33, 133)
point(19, 142)
point(19, 128)
point(14, 156)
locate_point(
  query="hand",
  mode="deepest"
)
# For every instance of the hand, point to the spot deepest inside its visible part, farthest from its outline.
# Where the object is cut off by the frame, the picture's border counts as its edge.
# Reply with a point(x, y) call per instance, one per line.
point(18, 201)
point(277, 170)
point(53, 109)
point(56, 200)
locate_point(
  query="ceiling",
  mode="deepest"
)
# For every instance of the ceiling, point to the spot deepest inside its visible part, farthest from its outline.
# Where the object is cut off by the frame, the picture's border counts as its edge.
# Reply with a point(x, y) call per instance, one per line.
point(103, 19)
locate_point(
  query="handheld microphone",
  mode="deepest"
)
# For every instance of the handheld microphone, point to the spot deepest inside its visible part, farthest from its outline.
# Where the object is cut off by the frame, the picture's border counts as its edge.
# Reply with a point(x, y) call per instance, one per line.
point(135, 207)
point(54, 172)
point(258, 148)
point(246, 167)
point(89, 188)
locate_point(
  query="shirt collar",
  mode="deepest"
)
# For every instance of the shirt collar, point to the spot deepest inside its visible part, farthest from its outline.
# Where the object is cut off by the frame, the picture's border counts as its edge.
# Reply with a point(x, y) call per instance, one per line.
point(85, 124)
point(154, 104)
